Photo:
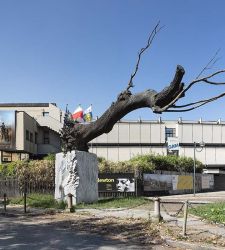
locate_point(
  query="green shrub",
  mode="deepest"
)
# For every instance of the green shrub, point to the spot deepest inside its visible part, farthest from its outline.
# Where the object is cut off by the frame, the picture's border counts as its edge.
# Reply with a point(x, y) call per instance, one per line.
point(49, 157)
point(8, 169)
point(149, 163)
point(38, 171)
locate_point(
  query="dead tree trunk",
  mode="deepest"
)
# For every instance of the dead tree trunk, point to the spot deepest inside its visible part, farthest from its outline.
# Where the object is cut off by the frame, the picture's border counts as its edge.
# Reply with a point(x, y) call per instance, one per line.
point(77, 136)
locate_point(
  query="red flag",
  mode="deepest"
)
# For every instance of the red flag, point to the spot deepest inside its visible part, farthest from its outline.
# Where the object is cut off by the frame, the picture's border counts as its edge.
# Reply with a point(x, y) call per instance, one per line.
point(78, 114)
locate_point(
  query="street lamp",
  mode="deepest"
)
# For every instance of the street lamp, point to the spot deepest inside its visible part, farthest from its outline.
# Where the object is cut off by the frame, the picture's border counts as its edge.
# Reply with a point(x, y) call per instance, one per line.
point(197, 147)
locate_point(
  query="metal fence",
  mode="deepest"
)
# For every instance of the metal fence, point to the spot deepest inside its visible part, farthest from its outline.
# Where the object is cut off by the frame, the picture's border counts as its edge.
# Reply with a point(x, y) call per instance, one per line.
point(13, 188)
point(115, 194)
point(10, 187)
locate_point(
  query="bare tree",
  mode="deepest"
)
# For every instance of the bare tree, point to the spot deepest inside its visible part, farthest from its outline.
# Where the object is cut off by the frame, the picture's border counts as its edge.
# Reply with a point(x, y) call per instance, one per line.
point(76, 135)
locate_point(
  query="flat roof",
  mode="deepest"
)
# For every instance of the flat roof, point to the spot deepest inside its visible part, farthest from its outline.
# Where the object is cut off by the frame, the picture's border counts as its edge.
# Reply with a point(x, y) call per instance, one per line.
point(26, 104)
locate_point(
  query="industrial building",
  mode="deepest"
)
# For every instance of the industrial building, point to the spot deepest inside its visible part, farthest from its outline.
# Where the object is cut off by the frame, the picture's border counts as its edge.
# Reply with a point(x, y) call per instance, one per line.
point(29, 130)
point(130, 138)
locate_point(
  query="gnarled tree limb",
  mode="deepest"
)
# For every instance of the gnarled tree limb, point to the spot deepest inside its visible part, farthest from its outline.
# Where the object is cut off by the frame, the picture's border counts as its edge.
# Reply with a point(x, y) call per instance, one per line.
point(76, 136)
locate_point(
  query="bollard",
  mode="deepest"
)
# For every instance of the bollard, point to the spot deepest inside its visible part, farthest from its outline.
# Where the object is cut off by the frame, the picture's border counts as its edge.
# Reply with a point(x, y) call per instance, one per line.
point(5, 200)
point(157, 216)
point(185, 218)
point(25, 203)
point(70, 203)
point(25, 198)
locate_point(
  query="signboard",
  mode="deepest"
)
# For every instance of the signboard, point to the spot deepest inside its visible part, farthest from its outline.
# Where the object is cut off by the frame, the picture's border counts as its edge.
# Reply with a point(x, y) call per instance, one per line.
point(207, 181)
point(184, 182)
point(163, 182)
point(156, 182)
point(116, 182)
point(172, 143)
point(7, 130)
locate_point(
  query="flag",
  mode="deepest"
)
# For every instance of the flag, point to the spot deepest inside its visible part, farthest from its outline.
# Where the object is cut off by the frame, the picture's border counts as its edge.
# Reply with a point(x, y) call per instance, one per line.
point(88, 114)
point(78, 114)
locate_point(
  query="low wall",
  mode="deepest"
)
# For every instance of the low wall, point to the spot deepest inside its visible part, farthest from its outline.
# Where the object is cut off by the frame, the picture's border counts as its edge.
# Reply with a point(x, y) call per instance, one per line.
point(76, 173)
point(177, 183)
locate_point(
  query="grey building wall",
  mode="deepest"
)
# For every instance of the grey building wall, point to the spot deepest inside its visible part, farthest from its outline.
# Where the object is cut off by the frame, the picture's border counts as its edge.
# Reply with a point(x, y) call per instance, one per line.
point(130, 138)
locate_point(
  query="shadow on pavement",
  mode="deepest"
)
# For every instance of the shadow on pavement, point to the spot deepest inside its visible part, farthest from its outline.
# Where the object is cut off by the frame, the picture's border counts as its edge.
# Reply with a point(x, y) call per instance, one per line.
point(25, 232)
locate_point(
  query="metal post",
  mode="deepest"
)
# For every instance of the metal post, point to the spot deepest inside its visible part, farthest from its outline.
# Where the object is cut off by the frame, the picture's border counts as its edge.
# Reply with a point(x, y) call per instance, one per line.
point(25, 197)
point(185, 218)
point(5, 200)
point(157, 216)
point(70, 202)
point(194, 169)
point(136, 174)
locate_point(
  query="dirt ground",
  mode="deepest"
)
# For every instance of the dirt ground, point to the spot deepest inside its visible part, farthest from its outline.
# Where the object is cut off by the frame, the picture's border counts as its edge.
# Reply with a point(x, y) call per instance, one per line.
point(76, 231)
point(141, 232)
point(138, 231)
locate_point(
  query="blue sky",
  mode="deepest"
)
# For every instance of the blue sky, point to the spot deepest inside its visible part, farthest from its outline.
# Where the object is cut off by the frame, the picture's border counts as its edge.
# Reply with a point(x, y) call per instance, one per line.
point(83, 51)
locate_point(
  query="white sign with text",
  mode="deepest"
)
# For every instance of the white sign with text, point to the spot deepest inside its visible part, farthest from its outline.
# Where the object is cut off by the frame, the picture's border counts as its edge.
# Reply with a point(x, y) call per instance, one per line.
point(172, 143)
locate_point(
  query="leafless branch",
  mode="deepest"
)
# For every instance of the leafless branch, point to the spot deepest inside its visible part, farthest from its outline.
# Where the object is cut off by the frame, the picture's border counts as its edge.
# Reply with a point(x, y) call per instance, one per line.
point(200, 103)
point(151, 37)
point(182, 93)
point(203, 79)
point(214, 83)
point(209, 65)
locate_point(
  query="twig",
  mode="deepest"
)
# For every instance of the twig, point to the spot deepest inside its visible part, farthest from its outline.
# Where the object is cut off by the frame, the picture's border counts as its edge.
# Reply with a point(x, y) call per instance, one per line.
point(150, 40)
point(212, 61)
point(201, 103)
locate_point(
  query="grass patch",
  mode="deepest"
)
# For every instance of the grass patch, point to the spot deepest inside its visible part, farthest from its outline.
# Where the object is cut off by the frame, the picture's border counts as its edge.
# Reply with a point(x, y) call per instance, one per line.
point(39, 201)
point(48, 201)
point(211, 212)
point(116, 203)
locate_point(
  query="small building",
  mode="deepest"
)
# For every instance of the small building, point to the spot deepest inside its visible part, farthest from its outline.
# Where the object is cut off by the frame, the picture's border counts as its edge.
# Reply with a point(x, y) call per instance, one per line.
point(29, 130)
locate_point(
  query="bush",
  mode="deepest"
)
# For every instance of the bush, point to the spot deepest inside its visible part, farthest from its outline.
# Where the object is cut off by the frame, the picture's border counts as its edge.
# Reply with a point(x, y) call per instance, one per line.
point(8, 169)
point(36, 172)
point(49, 157)
point(149, 163)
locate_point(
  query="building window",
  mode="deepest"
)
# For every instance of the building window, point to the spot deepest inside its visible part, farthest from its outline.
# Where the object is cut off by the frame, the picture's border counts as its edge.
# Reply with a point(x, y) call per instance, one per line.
point(27, 135)
point(174, 152)
point(6, 156)
point(46, 137)
point(170, 132)
point(45, 113)
point(35, 137)
point(31, 137)
point(60, 118)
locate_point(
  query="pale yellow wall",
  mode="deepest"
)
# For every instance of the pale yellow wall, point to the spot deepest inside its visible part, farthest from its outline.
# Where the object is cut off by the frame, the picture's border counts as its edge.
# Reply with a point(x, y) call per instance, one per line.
point(53, 120)
point(31, 125)
point(20, 143)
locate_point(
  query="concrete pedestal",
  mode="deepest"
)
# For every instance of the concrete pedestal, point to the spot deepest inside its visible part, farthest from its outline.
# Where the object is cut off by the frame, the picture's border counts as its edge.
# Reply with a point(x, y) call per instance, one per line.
point(76, 173)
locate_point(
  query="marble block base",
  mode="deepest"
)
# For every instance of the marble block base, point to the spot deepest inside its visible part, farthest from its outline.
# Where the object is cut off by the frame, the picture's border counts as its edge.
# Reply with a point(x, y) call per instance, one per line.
point(76, 173)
